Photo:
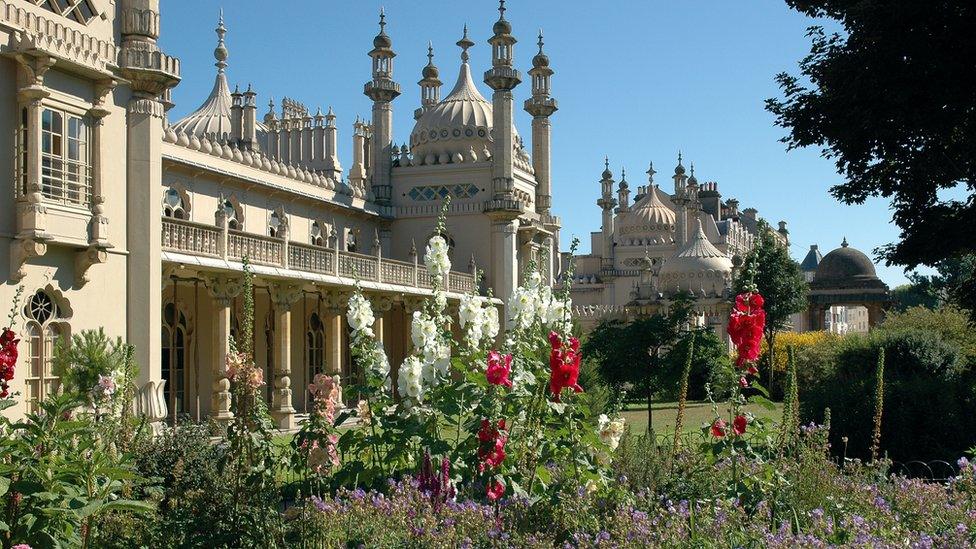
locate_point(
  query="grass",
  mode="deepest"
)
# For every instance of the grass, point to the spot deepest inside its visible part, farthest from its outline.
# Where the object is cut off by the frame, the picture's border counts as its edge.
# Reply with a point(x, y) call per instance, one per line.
point(697, 414)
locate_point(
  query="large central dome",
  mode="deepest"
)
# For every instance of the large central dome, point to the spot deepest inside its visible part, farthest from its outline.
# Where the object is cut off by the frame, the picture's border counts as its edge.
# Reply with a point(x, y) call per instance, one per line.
point(650, 218)
point(459, 125)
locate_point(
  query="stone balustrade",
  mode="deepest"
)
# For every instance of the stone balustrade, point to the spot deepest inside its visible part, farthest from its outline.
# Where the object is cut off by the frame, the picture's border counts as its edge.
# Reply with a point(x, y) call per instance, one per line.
point(193, 238)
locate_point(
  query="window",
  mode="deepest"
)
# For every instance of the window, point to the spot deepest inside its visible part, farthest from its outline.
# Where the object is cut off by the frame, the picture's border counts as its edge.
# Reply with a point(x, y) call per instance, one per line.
point(274, 224)
point(234, 221)
point(175, 352)
point(351, 240)
point(315, 346)
point(173, 204)
point(76, 10)
point(317, 237)
point(43, 331)
point(65, 165)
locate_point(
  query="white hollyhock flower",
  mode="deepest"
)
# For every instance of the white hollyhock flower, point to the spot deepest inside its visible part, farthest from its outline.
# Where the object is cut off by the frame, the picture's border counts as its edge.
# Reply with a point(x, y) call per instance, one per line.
point(610, 430)
point(436, 259)
point(490, 321)
point(360, 314)
point(381, 364)
point(410, 379)
point(469, 310)
point(533, 280)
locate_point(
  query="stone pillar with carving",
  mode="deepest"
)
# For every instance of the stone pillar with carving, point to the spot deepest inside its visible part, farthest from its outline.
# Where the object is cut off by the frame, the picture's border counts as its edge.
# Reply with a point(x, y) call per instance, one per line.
point(223, 290)
point(149, 73)
point(283, 297)
point(335, 325)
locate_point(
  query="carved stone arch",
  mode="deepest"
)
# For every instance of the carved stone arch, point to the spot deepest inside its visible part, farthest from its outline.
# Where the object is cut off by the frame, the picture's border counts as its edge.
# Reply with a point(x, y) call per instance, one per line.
point(63, 311)
point(277, 222)
point(185, 203)
point(319, 233)
point(231, 207)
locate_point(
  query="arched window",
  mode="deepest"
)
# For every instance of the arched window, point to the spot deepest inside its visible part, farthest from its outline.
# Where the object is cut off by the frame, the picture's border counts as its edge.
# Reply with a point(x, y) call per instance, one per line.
point(315, 346)
point(44, 328)
point(175, 353)
point(274, 224)
point(173, 204)
point(318, 237)
point(351, 240)
point(234, 219)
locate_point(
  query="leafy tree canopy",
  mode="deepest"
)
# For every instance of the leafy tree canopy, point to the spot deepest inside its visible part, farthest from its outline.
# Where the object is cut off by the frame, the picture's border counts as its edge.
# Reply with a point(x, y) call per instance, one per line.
point(892, 101)
point(769, 269)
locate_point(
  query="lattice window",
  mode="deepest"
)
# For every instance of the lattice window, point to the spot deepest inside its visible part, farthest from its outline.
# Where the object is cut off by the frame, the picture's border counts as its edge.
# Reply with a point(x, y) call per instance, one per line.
point(315, 346)
point(81, 11)
point(235, 220)
point(426, 193)
point(318, 236)
point(173, 204)
point(44, 328)
point(66, 172)
point(274, 224)
point(175, 352)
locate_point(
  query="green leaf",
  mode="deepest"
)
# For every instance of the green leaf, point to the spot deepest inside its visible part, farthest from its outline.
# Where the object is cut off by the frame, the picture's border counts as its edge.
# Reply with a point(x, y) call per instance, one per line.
point(762, 401)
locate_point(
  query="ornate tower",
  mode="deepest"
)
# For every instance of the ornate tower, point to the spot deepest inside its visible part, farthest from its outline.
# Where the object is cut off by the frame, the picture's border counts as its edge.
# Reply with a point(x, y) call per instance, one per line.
point(503, 208)
point(150, 73)
point(681, 200)
point(502, 78)
point(623, 193)
point(607, 203)
point(541, 106)
point(430, 84)
point(382, 90)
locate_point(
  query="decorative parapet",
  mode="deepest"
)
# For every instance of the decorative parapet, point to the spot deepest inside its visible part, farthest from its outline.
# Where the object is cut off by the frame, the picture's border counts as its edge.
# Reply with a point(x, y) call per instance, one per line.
point(57, 40)
point(198, 239)
point(149, 60)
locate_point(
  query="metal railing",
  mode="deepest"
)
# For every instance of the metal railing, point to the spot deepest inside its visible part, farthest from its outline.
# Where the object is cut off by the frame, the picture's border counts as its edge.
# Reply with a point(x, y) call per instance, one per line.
point(188, 237)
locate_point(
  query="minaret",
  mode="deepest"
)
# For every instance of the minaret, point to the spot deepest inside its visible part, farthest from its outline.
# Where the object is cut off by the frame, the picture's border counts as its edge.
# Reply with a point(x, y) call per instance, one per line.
point(502, 78)
point(607, 203)
point(681, 200)
point(541, 106)
point(623, 193)
point(382, 90)
point(430, 84)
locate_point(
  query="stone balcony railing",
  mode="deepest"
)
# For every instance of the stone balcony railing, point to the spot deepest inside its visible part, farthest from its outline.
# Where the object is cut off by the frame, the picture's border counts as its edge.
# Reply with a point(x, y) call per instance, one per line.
point(199, 239)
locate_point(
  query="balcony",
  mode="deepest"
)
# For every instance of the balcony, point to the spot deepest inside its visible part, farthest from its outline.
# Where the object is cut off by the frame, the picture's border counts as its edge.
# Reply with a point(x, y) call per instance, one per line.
point(197, 239)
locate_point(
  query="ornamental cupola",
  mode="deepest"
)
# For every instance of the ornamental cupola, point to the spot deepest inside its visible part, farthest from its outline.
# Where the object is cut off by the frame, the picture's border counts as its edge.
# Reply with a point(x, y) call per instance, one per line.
point(502, 75)
point(430, 84)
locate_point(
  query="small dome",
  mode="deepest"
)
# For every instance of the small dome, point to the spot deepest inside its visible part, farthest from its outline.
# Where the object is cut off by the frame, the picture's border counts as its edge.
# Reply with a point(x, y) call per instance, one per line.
point(430, 72)
point(649, 216)
point(697, 266)
point(501, 26)
point(382, 41)
point(845, 264)
point(540, 60)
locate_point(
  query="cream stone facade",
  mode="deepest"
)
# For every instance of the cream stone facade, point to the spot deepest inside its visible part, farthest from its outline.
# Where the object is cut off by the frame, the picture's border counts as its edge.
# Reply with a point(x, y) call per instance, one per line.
point(664, 243)
point(123, 220)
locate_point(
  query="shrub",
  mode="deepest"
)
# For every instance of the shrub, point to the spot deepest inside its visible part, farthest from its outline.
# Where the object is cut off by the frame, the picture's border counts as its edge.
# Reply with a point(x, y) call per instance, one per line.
point(928, 394)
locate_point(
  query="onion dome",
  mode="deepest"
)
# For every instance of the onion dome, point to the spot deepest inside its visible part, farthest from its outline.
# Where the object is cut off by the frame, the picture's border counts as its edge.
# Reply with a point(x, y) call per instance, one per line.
point(430, 71)
point(607, 174)
point(692, 180)
point(698, 265)
point(649, 216)
point(502, 26)
point(846, 266)
point(212, 118)
point(679, 169)
point(623, 180)
point(382, 40)
point(541, 60)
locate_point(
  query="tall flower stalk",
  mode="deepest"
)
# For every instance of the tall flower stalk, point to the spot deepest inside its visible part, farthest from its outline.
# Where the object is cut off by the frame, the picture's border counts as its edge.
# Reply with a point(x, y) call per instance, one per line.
point(878, 406)
point(683, 396)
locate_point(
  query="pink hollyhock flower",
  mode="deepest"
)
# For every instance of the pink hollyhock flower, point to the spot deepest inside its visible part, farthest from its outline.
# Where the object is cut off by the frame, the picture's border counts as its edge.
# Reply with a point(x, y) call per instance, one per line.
point(21, 546)
point(718, 428)
point(739, 425)
point(499, 368)
point(746, 324)
point(495, 490)
point(743, 382)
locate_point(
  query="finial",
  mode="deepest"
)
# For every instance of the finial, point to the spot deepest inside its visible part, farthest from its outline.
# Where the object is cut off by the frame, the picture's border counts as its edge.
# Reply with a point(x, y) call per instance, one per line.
point(501, 9)
point(693, 169)
point(606, 162)
point(237, 89)
point(844, 243)
point(540, 40)
point(464, 43)
point(430, 53)
point(623, 174)
point(679, 157)
point(220, 52)
point(249, 89)
point(650, 174)
point(382, 20)
point(330, 113)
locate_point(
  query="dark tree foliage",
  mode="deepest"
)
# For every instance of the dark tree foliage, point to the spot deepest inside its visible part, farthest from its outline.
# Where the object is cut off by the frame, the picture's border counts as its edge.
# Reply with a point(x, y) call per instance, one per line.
point(891, 99)
point(953, 283)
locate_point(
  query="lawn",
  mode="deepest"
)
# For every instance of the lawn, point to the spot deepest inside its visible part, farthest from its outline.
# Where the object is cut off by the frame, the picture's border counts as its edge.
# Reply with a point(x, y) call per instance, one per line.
point(696, 414)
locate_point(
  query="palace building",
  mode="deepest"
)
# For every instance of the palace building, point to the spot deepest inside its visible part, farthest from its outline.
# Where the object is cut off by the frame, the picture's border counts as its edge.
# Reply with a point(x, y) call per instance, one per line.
point(664, 243)
point(119, 218)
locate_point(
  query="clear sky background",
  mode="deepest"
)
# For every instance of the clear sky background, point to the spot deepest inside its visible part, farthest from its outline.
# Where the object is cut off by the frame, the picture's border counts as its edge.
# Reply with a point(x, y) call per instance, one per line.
point(635, 80)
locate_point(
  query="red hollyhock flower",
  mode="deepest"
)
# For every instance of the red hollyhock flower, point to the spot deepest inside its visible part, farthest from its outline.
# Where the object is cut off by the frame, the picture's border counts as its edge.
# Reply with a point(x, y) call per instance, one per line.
point(495, 490)
point(739, 425)
point(8, 359)
point(564, 365)
point(746, 324)
point(499, 368)
point(718, 428)
point(491, 447)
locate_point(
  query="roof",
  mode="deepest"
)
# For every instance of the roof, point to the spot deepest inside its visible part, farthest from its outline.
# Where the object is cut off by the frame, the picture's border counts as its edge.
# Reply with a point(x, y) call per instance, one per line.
point(812, 259)
point(461, 122)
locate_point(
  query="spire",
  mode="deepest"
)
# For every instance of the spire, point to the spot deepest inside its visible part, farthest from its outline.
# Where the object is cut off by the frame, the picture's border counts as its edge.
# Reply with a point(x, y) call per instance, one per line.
point(541, 43)
point(650, 174)
point(464, 43)
point(607, 174)
point(623, 178)
point(220, 52)
point(430, 53)
point(844, 244)
point(501, 10)
point(679, 169)
point(692, 180)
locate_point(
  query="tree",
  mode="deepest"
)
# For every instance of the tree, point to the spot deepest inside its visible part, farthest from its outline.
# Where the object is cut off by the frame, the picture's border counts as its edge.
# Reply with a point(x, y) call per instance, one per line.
point(887, 100)
point(769, 269)
point(635, 353)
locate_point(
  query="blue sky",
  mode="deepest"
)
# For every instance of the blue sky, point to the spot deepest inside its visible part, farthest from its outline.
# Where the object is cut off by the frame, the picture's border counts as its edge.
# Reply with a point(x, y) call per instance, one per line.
point(635, 80)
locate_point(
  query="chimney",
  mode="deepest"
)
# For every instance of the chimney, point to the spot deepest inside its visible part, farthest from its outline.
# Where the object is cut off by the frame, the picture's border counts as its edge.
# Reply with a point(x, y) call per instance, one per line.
point(249, 131)
point(236, 117)
point(317, 157)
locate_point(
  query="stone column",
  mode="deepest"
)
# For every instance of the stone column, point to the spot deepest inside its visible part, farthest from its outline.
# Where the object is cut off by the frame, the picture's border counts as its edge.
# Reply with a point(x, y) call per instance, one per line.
point(875, 314)
point(504, 256)
point(222, 290)
point(334, 327)
point(283, 297)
